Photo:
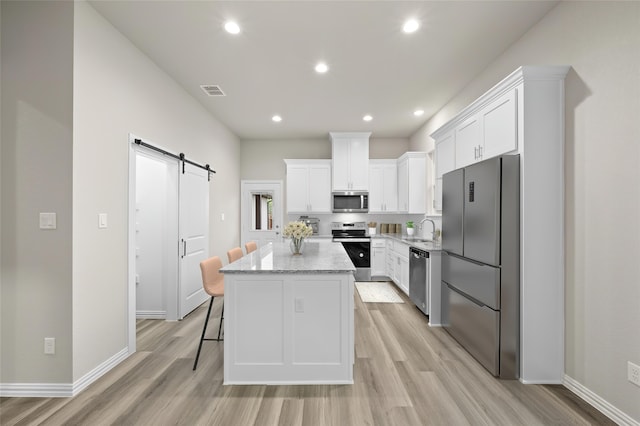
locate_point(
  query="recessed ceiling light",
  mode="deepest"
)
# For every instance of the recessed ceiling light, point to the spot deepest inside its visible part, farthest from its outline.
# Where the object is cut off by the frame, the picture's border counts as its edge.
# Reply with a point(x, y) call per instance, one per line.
point(410, 26)
point(367, 118)
point(418, 112)
point(276, 118)
point(321, 68)
point(232, 27)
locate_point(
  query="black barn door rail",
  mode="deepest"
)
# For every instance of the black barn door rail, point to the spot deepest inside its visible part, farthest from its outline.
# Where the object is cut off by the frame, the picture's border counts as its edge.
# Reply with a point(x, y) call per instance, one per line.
point(180, 157)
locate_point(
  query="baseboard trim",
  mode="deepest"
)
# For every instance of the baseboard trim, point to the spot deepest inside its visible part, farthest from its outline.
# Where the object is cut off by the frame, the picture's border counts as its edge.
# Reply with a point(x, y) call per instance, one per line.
point(93, 375)
point(36, 390)
point(151, 314)
point(61, 390)
point(599, 403)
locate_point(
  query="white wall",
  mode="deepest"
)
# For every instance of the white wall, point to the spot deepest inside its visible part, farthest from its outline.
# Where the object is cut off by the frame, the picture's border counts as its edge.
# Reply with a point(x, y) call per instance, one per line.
point(600, 40)
point(118, 90)
point(263, 159)
point(35, 293)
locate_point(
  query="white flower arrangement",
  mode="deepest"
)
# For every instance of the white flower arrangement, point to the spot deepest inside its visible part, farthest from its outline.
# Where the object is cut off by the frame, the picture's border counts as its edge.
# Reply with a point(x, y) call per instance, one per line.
point(297, 231)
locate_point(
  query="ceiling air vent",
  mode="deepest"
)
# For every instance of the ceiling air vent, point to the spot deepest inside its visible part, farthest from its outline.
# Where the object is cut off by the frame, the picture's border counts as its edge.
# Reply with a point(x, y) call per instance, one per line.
point(212, 90)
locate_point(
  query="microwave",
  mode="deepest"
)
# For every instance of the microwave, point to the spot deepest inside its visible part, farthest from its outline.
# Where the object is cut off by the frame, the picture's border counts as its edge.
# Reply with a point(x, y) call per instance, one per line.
point(350, 202)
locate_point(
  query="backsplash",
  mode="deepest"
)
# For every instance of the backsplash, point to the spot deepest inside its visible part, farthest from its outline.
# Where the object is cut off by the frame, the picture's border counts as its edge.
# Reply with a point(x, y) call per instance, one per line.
point(326, 219)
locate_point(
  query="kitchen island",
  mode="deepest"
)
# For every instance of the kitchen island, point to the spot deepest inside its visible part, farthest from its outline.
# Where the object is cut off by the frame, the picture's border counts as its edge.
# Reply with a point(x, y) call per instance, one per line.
point(289, 318)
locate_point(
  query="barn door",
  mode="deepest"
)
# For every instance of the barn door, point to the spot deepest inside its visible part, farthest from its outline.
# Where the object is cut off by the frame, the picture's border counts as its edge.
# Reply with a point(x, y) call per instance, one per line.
point(194, 235)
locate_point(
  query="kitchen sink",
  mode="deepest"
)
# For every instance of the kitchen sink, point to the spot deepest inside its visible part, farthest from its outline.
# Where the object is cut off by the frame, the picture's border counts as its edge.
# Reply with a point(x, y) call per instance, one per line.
point(417, 240)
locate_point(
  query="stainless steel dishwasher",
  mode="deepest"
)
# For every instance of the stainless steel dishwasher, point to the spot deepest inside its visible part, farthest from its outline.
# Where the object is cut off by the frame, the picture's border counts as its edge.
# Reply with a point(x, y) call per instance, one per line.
point(419, 278)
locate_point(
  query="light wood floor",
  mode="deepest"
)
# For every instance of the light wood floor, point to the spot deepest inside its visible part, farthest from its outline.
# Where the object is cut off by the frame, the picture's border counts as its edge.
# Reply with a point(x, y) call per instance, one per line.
point(406, 373)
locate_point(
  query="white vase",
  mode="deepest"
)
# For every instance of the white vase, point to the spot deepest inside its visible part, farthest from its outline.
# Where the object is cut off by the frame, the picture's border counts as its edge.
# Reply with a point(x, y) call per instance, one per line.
point(409, 231)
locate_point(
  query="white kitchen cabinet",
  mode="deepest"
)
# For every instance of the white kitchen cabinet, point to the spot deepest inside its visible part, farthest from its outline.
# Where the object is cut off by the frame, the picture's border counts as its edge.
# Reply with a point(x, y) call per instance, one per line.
point(390, 258)
point(490, 132)
point(445, 162)
point(308, 186)
point(350, 161)
point(467, 142)
point(445, 154)
point(499, 127)
point(383, 186)
point(401, 267)
point(524, 114)
point(378, 257)
point(412, 194)
point(398, 253)
point(437, 195)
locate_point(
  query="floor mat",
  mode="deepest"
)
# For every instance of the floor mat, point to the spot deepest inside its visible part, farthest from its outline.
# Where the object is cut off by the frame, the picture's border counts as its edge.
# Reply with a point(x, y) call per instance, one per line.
point(378, 292)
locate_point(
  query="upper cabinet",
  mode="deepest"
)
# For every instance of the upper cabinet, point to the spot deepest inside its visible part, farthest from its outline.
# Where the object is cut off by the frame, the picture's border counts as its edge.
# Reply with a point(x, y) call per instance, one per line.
point(308, 186)
point(489, 132)
point(350, 161)
point(499, 125)
point(487, 128)
point(445, 162)
point(412, 194)
point(383, 186)
point(467, 141)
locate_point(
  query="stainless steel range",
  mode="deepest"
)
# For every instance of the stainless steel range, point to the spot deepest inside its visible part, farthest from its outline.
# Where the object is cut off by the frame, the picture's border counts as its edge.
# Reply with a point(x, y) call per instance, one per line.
point(357, 243)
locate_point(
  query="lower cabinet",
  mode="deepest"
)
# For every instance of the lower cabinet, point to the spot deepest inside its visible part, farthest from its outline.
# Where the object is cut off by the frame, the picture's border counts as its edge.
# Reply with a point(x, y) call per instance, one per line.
point(398, 261)
point(378, 257)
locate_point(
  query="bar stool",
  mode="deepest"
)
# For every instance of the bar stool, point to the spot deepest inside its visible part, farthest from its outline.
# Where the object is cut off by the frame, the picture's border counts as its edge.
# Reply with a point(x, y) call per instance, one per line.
point(213, 284)
point(251, 246)
point(234, 254)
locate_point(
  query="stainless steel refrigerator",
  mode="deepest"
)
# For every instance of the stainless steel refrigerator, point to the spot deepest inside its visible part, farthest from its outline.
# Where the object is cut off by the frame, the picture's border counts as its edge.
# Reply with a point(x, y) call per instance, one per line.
point(481, 261)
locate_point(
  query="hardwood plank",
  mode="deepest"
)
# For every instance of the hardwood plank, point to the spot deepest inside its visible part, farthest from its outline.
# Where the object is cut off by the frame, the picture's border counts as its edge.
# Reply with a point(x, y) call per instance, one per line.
point(405, 373)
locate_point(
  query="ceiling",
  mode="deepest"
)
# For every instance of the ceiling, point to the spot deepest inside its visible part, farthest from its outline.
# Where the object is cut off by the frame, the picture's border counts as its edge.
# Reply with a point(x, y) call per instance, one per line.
point(374, 67)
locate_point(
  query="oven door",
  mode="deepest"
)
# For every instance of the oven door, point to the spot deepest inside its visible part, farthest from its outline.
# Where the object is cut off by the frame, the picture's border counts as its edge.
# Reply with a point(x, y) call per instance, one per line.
point(359, 251)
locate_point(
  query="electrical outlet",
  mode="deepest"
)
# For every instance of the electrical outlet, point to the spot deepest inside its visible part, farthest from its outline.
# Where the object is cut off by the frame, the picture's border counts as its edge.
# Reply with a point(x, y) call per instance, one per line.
point(50, 345)
point(299, 304)
point(633, 373)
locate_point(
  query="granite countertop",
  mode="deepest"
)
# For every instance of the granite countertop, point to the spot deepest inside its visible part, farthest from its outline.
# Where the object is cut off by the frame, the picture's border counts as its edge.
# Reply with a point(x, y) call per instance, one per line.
point(317, 256)
point(423, 245)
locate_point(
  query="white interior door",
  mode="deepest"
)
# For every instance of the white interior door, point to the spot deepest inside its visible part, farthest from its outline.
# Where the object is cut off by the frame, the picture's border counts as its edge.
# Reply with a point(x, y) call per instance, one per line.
point(194, 236)
point(261, 209)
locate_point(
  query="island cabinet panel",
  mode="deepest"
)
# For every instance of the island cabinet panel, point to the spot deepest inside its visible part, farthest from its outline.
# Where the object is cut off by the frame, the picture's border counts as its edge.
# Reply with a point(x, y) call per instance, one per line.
point(288, 328)
point(318, 306)
point(263, 300)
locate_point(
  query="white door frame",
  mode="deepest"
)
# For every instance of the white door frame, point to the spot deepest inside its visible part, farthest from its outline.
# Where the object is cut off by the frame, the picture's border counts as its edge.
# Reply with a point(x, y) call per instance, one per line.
point(279, 213)
point(131, 251)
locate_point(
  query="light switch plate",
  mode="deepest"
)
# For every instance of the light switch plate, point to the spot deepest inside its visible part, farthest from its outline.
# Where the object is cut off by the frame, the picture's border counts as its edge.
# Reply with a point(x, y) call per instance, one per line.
point(48, 221)
point(50, 345)
point(102, 220)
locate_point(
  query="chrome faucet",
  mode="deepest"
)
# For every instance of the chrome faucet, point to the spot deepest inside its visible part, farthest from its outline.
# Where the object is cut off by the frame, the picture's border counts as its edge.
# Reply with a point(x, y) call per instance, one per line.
point(433, 224)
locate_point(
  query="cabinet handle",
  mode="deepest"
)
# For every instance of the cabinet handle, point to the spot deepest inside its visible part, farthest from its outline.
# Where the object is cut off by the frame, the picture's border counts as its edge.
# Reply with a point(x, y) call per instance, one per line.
point(475, 152)
point(480, 151)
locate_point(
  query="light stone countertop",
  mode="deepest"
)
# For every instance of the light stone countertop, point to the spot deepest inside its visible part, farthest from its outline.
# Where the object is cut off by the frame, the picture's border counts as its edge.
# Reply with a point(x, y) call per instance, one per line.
point(427, 245)
point(317, 256)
